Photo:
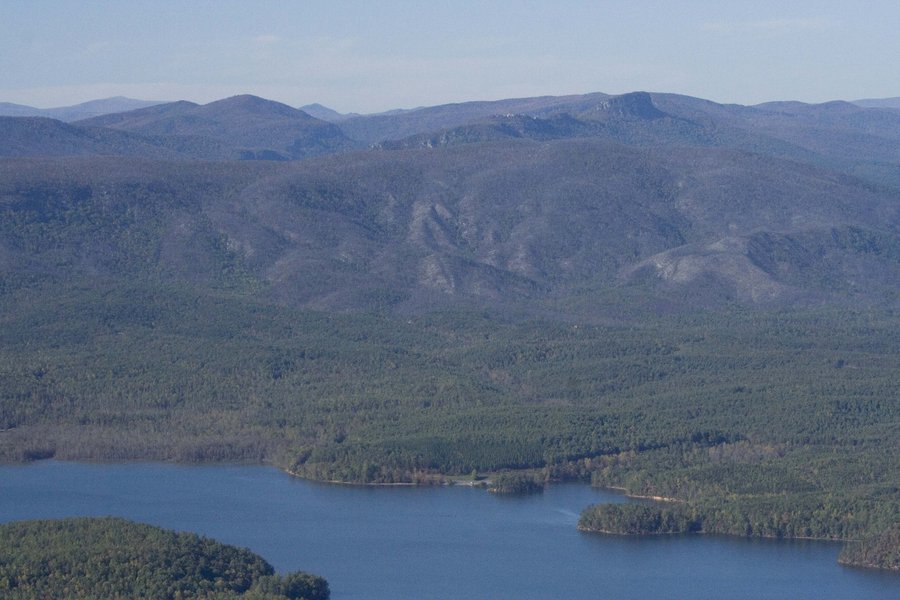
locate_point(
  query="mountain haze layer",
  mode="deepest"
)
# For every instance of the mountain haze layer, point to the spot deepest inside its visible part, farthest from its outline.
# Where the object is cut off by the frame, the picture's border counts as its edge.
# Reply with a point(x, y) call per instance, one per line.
point(255, 128)
point(85, 110)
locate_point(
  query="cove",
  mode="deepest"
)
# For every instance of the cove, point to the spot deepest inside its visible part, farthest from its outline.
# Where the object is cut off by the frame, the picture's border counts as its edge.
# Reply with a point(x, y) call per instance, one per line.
point(405, 543)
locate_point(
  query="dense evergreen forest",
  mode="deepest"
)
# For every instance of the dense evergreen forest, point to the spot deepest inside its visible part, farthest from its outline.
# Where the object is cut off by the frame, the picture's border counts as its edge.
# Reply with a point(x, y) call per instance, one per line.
point(685, 300)
point(763, 423)
point(515, 483)
point(108, 558)
point(880, 551)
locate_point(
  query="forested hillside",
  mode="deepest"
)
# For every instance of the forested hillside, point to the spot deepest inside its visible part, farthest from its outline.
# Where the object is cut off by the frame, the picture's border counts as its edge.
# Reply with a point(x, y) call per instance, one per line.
point(580, 228)
point(683, 299)
point(107, 558)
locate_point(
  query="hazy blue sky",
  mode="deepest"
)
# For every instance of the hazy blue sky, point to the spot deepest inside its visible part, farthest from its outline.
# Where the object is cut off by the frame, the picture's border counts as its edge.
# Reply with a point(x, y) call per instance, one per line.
point(372, 55)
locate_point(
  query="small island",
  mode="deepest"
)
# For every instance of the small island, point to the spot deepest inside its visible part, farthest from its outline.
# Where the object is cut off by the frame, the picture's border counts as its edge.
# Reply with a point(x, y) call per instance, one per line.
point(111, 558)
point(516, 483)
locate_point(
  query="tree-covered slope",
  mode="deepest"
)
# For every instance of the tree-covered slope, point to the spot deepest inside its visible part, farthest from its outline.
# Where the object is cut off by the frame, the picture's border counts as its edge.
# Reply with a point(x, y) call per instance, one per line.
point(765, 424)
point(712, 324)
point(245, 127)
point(881, 551)
point(108, 558)
point(41, 136)
point(538, 226)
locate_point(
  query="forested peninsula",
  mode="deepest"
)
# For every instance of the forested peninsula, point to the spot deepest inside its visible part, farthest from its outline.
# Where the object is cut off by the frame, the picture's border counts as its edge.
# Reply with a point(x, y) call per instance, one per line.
point(652, 292)
point(821, 520)
point(110, 558)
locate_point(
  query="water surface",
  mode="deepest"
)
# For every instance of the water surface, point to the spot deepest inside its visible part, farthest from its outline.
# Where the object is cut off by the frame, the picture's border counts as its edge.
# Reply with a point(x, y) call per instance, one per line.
point(404, 543)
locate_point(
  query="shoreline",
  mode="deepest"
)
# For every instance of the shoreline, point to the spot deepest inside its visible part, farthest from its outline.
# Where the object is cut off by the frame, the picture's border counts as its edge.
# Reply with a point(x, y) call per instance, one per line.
point(448, 481)
point(640, 497)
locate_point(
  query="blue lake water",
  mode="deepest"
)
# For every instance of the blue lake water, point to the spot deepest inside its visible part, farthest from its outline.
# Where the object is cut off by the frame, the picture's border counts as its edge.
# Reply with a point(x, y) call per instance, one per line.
point(403, 543)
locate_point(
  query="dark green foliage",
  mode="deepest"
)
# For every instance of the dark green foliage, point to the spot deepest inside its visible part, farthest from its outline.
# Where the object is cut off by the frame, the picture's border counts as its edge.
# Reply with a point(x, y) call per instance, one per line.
point(241, 380)
point(668, 316)
point(516, 483)
point(101, 558)
point(838, 516)
point(294, 585)
point(880, 551)
point(637, 519)
point(765, 424)
point(823, 491)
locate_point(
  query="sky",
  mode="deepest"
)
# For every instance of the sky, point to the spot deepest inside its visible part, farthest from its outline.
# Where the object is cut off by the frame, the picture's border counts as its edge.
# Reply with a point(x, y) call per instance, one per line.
point(375, 55)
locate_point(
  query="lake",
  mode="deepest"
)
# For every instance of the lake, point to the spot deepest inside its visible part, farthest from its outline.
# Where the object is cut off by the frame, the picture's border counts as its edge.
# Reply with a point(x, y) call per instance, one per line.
point(405, 543)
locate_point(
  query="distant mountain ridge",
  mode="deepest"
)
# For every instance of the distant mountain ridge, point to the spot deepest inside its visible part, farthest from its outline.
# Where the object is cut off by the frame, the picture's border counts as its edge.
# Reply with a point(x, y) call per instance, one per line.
point(528, 202)
point(879, 103)
point(689, 299)
point(326, 114)
point(395, 125)
point(85, 110)
point(237, 128)
point(857, 140)
point(252, 126)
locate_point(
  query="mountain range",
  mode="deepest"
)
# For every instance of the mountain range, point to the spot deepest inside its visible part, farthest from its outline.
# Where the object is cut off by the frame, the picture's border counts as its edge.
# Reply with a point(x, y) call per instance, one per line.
point(676, 297)
point(587, 205)
point(85, 110)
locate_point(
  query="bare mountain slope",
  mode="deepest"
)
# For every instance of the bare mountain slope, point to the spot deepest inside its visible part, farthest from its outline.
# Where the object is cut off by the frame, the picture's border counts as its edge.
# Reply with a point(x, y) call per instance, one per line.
point(396, 125)
point(526, 224)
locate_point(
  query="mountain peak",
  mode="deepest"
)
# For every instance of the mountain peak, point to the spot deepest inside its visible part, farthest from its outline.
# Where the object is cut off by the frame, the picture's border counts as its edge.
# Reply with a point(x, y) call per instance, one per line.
point(634, 104)
point(323, 112)
point(249, 104)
